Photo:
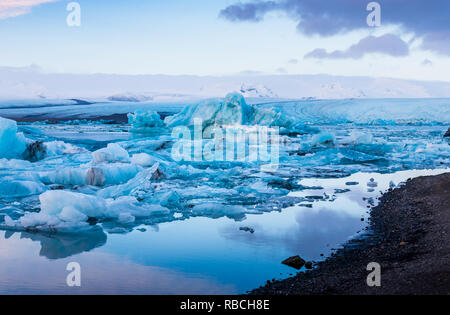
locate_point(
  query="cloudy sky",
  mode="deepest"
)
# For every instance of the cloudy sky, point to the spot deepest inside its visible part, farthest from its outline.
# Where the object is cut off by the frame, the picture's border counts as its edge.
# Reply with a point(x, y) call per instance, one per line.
point(221, 37)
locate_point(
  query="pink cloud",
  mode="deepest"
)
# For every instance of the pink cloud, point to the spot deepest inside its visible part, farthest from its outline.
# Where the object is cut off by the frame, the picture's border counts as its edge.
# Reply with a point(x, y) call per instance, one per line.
point(12, 8)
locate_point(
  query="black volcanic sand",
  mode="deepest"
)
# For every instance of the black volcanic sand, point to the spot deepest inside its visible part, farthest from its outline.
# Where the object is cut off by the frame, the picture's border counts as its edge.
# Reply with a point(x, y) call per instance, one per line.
point(408, 235)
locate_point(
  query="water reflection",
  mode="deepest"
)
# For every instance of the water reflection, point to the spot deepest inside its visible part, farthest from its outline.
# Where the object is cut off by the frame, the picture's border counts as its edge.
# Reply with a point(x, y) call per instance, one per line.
point(23, 271)
point(309, 232)
point(58, 246)
point(200, 254)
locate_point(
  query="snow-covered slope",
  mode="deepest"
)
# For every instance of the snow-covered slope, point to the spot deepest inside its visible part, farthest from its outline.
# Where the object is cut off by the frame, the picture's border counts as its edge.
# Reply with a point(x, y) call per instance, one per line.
point(258, 91)
point(33, 83)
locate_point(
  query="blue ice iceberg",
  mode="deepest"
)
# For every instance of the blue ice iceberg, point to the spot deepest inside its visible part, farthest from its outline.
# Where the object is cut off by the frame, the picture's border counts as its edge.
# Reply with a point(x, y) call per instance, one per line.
point(229, 111)
point(12, 143)
point(144, 122)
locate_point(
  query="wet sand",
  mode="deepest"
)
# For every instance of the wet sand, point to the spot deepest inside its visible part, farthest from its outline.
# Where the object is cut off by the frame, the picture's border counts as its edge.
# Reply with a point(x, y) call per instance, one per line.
point(408, 235)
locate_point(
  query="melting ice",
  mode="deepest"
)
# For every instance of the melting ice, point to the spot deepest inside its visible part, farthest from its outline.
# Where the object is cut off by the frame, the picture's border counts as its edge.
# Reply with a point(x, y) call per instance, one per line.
point(71, 185)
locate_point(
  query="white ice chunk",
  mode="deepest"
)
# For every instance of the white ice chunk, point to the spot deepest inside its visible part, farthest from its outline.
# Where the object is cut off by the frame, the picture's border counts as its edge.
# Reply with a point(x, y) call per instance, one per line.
point(70, 214)
point(54, 202)
point(112, 153)
point(143, 159)
point(55, 148)
point(127, 206)
point(359, 137)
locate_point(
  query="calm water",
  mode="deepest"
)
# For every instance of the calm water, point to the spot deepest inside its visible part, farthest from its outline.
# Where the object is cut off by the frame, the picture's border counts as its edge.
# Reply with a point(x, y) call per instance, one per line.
point(197, 255)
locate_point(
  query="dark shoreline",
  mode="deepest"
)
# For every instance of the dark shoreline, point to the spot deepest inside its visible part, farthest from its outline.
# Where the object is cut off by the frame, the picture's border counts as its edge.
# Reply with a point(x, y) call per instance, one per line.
point(408, 235)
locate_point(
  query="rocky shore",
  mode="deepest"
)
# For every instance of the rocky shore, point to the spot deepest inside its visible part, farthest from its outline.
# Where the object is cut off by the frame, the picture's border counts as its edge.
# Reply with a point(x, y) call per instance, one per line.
point(408, 235)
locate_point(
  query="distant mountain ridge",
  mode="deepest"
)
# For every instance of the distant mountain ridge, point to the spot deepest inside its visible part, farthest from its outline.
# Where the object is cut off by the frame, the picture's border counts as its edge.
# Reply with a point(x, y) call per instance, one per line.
point(32, 83)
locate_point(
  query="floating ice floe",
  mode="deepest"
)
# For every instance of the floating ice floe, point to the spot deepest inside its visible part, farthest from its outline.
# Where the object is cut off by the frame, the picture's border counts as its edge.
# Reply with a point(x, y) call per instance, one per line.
point(64, 211)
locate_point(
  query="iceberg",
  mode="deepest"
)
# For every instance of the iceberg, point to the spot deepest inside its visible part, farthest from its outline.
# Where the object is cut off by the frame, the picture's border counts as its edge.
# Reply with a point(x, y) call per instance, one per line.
point(65, 211)
point(232, 110)
point(145, 122)
point(54, 202)
point(12, 143)
point(99, 175)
